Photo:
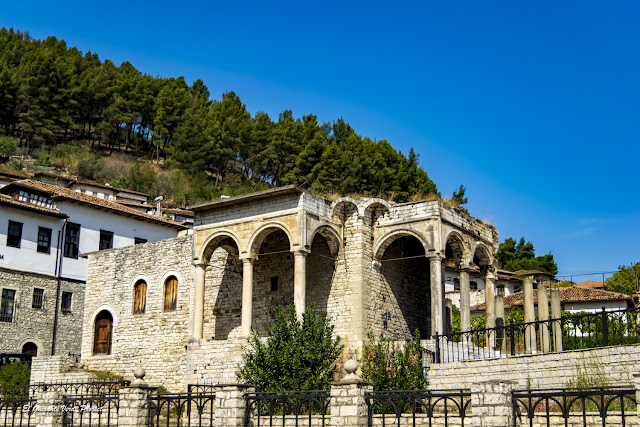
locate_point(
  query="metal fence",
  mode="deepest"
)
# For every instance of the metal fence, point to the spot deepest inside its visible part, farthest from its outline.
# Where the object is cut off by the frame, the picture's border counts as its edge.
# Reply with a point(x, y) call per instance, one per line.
point(613, 406)
point(287, 408)
point(571, 332)
point(90, 388)
point(194, 408)
point(17, 411)
point(91, 411)
point(418, 408)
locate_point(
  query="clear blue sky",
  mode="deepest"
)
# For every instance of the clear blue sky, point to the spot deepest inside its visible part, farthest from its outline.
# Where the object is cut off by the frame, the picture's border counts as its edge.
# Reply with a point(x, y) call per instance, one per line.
point(534, 106)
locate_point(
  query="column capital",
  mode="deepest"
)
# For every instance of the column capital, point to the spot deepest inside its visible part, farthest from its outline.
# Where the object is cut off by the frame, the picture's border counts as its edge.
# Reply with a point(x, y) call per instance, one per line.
point(247, 258)
point(199, 263)
point(436, 257)
point(300, 252)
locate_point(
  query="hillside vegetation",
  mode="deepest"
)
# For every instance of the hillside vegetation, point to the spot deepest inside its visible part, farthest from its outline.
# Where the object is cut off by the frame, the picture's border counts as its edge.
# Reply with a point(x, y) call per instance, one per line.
point(73, 111)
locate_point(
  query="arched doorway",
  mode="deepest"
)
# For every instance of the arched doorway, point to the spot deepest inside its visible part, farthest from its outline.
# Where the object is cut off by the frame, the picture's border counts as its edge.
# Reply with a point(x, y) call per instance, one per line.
point(321, 267)
point(103, 331)
point(30, 348)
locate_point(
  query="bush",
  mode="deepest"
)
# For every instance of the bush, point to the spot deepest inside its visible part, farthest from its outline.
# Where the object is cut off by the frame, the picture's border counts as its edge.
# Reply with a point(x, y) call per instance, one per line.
point(296, 356)
point(8, 146)
point(388, 367)
point(94, 168)
point(15, 374)
point(142, 176)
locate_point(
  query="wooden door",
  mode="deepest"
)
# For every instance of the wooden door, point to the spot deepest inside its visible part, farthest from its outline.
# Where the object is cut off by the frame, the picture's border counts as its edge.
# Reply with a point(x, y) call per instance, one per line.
point(102, 335)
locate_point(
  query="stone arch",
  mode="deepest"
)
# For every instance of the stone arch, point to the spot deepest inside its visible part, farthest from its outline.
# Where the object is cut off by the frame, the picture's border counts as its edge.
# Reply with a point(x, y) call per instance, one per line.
point(455, 248)
point(340, 204)
point(372, 203)
point(331, 236)
point(225, 239)
point(482, 255)
point(39, 346)
point(258, 236)
point(385, 240)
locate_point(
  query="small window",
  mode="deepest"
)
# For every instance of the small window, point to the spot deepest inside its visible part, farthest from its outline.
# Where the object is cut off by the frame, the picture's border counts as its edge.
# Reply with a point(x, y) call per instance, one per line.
point(44, 240)
point(139, 297)
point(170, 294)
point(65, 304)
point(71, 240)
point(473, 285)
point(14, 235)
point(106, 240)
point(456, 284)
point(7, 305)
point(139, 240)
point(38, 298)
point(274, 283)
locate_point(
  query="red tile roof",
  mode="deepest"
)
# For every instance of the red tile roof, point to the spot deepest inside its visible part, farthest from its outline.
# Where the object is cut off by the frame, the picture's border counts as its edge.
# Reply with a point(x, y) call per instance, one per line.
point(592, 284)
point(569, 294)
point(75, 196)
point(10, 201)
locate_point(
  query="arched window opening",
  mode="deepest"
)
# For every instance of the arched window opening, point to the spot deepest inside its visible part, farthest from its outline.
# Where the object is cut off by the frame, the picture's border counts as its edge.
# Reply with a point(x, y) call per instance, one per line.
point(30, 348)
point(139, 297)
point(171, 294)
point(102, 333)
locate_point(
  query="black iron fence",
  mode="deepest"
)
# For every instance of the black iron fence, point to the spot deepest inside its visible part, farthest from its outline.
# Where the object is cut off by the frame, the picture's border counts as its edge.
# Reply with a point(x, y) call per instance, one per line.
point(17, 411)
point(418, 408)
point(613, 406)
point(571, 332)
point(195, 408)
point(91, 410)
point(287, 408)
point(90, 388)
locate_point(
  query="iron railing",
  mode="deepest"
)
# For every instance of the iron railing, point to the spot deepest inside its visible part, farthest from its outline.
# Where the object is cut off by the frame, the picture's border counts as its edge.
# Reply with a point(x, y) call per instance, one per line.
point(91, 388)
point(287, 408)
point(585, 406)
point(412, 408)
point(91, 410)
point(17, 411)
point(195, 408)
point(571, 332)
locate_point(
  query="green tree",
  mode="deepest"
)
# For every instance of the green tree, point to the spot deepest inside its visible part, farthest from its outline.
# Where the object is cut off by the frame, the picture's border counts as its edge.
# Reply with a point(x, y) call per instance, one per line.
point(142, 176)
point(8, 146)
point(624, 281)
point(458, 196)
point(514, 256)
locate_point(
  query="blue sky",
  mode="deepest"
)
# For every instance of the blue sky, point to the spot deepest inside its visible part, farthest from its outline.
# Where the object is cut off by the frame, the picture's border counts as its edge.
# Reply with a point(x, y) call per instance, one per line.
point(533, 106)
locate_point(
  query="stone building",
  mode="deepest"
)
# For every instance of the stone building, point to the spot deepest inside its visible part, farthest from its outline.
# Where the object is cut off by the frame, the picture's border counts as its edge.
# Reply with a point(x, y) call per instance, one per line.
point(183, 307)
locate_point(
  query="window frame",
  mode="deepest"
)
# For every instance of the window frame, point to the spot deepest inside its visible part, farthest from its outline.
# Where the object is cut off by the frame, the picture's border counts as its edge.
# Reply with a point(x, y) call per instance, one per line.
point(11, 242)
point(139, 308)
point(4, 316)
point(37, 301)
point(174, 306)
point(105, 237)
point(66, 307)
point(71, 249)
point(41, 248)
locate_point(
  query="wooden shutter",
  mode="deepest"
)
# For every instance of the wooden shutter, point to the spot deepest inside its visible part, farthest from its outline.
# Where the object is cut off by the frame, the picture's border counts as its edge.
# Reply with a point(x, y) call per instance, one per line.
point(170, 294)
point(140, 297)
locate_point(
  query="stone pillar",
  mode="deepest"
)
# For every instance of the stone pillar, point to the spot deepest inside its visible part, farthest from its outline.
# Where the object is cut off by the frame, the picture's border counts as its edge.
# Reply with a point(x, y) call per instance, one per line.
point(556, 313)
point(529, 316)
point(133, 408)
point(53, 418)
point(230, 405)
point(465, 300)
point(543, 316)
point(348, 406)
point(437, 295)
point(300, 282)
point(448, 318)
point(247, 296)
point(489, 298)
point(198, 309)
point(491, 403)
point(501, 343)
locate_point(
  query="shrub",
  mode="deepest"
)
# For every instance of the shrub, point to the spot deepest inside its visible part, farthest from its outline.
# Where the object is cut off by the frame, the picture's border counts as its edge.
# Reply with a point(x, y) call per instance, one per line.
point(7, 146)
point(93, 168)
point(296, 355)
point(390, 367)
point(14, 374)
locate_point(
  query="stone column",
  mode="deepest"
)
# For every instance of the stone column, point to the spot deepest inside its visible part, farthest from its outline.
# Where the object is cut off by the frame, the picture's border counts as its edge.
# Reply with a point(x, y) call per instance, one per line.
point(465, 300)
point(437, 295)
point(247, 296)
point(230, 405)
point(198, 309)
point(133, 407)
point(501, 343)
point(348, 406)
point(556, 313)
point(300, 282)
point(529, 316)
point(48, 400)
point(448, 318)
point(489, 298)
point(543, 316)
point(491, 403)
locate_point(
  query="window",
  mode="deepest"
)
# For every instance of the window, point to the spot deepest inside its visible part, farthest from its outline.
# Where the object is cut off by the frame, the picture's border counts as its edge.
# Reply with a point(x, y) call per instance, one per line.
point(456, 284)
point(170, 294)
point(139, 297)
point(139, 240)
point(44, 240)
point(38, 298)
point(30, 348)
point(7, 304)
point(14, 234)
point(65, 304)
point(473, 285)
point(102, 333)
point(71, 240)
point(106, 240)
point(274, 283)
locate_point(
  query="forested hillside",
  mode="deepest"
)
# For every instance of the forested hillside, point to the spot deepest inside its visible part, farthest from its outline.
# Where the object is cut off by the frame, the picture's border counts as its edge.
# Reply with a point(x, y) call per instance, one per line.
point(69, 109)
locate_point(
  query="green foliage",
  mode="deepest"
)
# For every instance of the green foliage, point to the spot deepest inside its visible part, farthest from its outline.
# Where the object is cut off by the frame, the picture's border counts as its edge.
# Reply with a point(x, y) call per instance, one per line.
point(94, 168)
point(514, 256)
point(455, 318)
point(142, 176)
point(296, 355)
point(458, 196)
point(7, 146)
point(15, 374)
point(625, 280)
point(563, 284)
point(388, 367)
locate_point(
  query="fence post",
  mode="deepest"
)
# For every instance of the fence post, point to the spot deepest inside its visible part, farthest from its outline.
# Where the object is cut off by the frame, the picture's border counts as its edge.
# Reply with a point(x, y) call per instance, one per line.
point(133, 405)
point(437, 338)
point(48, 412)
point(556, 313)
point(491, 403)
point(605, 328)
point(348, 407)
point(512, 333)
point(230, 404)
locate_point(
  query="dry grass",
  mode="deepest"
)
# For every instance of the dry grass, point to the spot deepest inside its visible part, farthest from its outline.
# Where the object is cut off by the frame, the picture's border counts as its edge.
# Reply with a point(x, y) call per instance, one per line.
point(119, 163)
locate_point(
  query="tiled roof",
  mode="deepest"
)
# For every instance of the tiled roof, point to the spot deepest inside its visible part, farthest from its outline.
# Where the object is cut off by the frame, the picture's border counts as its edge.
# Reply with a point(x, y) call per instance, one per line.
point(530, 272)
point(569, 294)
point(183, 212)
point(10, 201)
point(87, 182)
point(66, 193)
point(592, 284)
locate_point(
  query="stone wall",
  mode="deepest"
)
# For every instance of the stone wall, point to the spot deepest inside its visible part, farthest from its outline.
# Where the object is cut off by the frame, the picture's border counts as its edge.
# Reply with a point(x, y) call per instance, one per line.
point(36, 324)
point(554, 370)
